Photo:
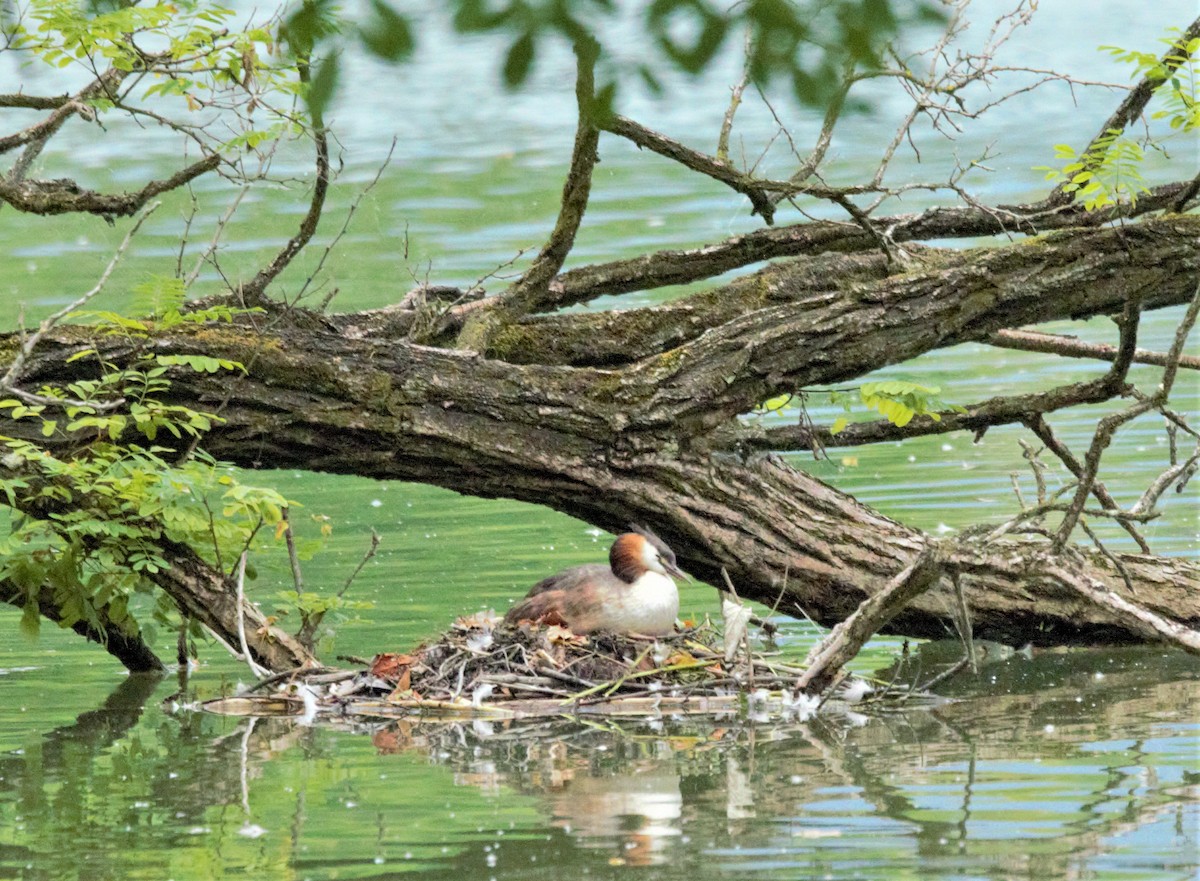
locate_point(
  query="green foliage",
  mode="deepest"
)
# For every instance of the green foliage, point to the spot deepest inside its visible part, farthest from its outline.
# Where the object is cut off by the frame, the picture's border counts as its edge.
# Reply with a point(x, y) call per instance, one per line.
point(1179, 97)
point(186, 55)
point(1108, 172)
point(805, 43)
point(90, 513)
point(896, 400)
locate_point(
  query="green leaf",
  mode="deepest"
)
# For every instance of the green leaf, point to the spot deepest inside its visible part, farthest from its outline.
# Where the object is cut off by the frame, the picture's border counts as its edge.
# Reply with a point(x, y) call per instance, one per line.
point(388, 34)
point(777, 403)
point(518, 60)
point(158, 295)
point(323, 84)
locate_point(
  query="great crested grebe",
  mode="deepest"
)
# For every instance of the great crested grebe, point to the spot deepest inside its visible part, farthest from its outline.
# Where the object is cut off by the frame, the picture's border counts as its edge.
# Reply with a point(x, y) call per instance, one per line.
point(633, 594)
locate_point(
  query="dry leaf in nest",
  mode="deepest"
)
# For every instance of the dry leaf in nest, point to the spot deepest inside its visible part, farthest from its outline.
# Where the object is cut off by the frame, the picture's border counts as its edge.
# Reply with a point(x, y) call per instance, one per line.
point(391, 666)
point(681, 657)
point(558, 635)
point(484, 620)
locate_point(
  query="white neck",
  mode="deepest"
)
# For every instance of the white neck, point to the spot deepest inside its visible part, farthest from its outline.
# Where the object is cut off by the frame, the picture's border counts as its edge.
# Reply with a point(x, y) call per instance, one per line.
point(650, 606)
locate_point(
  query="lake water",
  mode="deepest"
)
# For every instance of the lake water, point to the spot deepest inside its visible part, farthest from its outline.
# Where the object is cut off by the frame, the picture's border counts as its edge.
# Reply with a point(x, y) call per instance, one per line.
point(1081, 764)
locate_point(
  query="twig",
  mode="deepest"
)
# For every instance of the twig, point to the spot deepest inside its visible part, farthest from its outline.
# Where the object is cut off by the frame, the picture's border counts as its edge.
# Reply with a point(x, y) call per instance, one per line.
point(18, 364)
point(254, 290)
point(1041, 428)
point(1070, 347)
point(255, 669)
point(964, 621)
point(1108, 426)
point(1120, 567)
point(375, 540)
point(293, 557)
point(735, 98)
point(218, 232)
point(346, 225)
point(954, 668)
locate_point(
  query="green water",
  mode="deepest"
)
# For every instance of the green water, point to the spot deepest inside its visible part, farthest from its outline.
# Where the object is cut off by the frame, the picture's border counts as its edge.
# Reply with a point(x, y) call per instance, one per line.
point(1062, 765)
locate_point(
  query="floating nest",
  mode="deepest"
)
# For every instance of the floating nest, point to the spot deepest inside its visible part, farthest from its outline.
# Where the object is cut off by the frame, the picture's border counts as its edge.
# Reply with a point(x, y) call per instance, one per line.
point(483, 668)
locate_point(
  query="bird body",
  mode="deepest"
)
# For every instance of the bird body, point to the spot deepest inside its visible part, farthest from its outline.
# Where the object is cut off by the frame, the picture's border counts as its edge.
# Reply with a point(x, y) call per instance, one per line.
point(633, 594)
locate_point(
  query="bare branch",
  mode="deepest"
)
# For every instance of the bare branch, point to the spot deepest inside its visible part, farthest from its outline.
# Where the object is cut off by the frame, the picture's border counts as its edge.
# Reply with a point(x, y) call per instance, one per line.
point(843, 642)
point(1134, 616)
point(531, 291)
point(718, 170)
point(258, 671)
point(64, 196)
point(1056, 344)
point(978, 418)
point(1045, 434)
point(1108, 426)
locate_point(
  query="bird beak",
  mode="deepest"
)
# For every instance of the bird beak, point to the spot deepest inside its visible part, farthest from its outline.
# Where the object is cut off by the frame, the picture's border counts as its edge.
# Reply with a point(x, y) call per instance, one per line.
point(672, 569)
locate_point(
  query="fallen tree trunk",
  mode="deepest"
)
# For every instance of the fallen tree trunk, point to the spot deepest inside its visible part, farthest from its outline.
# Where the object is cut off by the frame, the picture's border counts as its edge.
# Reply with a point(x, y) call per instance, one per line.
point(636, 441)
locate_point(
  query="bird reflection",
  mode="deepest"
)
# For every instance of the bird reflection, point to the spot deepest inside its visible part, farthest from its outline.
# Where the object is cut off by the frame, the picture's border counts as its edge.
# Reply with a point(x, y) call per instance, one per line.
point(636, 814)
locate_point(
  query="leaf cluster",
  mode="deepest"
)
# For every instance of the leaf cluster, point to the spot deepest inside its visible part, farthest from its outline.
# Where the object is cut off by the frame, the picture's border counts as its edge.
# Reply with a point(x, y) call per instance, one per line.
point(190, 52)
point(897, 400)
point(91, 511)
point(1108, 172)
point(806, 43)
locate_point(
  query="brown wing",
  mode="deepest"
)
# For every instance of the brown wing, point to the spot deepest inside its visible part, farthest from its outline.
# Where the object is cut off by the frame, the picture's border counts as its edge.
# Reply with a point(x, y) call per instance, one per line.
point(542, 608)
point(569, 579)
point(560, 599)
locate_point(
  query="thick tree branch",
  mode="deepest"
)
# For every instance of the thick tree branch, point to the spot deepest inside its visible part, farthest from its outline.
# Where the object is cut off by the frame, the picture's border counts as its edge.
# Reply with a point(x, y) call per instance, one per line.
point(675, 267)
point(1154, 626)
point(978, 418)
point(128, 648)
point(732, 368)
point(610, 445)
point(64, 196)
point(531, 293)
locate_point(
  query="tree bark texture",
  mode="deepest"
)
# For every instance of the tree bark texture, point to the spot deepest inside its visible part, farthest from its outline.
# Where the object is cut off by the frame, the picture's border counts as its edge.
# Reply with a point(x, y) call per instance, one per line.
point(613, 417)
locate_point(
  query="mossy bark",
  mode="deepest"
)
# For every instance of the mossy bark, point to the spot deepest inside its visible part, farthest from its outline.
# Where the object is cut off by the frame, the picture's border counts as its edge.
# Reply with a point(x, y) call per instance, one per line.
point(614, 438)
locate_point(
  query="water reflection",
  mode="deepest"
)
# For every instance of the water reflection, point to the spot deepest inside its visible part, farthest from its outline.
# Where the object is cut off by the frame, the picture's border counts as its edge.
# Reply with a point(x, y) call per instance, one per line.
point(1026, 781)
point(1059, 765)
